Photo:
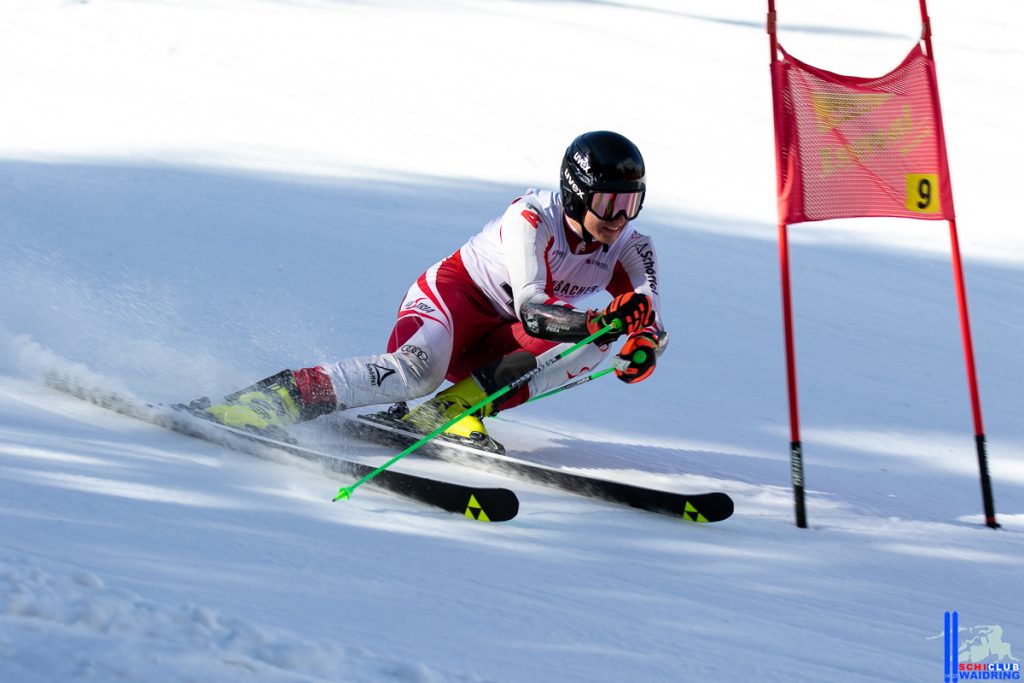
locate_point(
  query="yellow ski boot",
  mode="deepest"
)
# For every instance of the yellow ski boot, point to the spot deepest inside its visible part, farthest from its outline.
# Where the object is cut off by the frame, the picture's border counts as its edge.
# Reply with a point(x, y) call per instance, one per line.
point(266, 406)
point(470, 430)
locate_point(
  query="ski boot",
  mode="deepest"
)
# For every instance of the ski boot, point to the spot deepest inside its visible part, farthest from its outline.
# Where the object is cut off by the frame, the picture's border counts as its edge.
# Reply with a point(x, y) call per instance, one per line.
point(266, 407)
point(470, 430)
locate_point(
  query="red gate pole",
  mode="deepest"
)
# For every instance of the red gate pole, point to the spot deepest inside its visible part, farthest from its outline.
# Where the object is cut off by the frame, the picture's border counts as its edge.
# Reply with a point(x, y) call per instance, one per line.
point(972, 381)
point(796, 459)
point(965, 327)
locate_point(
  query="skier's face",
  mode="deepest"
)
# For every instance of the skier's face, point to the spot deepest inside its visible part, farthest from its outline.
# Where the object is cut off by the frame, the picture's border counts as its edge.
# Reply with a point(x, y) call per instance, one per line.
point(605, 232)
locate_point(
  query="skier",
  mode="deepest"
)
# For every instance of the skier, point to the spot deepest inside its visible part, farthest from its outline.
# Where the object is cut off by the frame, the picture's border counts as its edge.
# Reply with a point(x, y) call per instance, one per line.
point(497, 308)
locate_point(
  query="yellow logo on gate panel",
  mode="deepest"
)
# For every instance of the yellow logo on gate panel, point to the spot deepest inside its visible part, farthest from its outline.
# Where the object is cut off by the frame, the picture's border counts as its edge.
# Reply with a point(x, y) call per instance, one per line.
point(923, 193)
point(833, 109)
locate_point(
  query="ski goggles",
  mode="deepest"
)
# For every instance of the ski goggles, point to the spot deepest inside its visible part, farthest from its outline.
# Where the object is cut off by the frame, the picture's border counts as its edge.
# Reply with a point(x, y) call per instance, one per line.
point(608, 205)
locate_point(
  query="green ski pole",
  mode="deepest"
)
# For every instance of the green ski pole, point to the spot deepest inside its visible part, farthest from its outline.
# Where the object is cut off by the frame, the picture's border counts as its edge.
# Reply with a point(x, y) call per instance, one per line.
point(345, 492)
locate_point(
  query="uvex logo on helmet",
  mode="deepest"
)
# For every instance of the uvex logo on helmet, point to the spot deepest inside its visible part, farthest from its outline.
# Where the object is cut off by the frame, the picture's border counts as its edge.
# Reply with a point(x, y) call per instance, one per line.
point(570, 182)
point(582, 161)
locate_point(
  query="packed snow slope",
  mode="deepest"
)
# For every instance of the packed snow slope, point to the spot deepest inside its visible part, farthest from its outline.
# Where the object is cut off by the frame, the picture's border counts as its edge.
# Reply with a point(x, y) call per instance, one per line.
point(194, 195)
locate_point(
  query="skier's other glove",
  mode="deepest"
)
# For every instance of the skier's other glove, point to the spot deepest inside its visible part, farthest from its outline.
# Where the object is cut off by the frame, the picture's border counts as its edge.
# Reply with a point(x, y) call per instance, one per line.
point(632, 311)
point(635, 361)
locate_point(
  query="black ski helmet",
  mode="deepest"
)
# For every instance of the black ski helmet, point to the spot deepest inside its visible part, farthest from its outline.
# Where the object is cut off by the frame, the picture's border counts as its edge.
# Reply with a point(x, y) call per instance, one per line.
point(599, 161)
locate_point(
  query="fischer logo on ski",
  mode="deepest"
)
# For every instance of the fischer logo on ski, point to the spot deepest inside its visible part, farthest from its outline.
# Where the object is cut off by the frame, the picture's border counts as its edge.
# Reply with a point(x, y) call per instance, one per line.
point(475, 511)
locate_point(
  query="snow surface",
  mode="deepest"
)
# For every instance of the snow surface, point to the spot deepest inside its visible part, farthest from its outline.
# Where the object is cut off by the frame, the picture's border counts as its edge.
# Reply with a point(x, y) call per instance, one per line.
point(194, 195)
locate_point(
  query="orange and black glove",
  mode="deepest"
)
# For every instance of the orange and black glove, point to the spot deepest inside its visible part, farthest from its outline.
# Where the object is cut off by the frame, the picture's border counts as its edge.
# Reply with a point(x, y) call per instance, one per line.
point(635, 361)
point(632, 311)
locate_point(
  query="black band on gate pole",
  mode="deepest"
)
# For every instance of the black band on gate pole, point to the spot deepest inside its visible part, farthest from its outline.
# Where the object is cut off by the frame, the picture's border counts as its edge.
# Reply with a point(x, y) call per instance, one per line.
point(796, 466)
point(986, 482)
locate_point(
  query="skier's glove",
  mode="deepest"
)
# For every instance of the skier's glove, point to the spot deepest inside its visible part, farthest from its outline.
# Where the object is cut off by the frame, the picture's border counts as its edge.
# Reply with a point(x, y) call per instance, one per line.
point(635, 361)
point(632, 311)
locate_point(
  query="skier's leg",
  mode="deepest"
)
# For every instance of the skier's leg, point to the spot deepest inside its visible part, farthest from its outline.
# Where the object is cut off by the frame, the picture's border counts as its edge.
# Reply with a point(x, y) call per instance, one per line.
point(474, 322)
point(415, 365)
point(418, 351)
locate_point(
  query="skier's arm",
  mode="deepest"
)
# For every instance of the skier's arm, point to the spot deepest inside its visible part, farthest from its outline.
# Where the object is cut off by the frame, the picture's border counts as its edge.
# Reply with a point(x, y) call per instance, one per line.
point(631, 312)
point(527, 241)
point(560, 323)
point(637, 271)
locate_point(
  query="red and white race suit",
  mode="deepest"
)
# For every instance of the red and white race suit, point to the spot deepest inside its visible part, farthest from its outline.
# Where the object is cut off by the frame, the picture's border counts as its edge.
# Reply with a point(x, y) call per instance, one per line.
point(463, 311)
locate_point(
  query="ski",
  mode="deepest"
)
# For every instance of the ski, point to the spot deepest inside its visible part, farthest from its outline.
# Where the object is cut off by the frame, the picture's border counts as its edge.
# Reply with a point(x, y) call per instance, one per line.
point(381, 427)
point(479, 503)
